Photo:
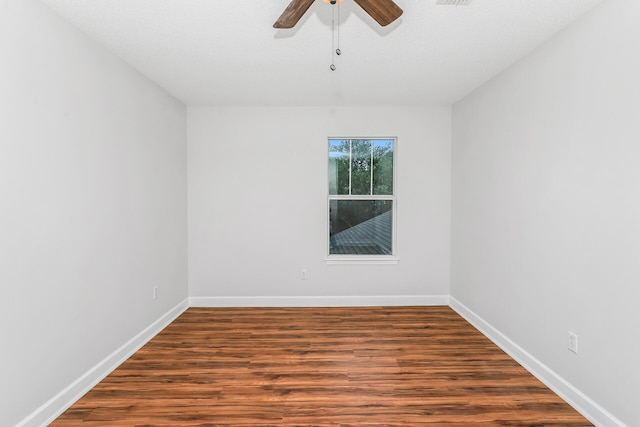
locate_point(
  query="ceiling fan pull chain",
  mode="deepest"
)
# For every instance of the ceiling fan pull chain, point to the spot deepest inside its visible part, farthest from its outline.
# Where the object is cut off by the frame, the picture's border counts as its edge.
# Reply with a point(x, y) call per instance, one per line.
point(338, 51)
point(334, 50)
point(332, 67)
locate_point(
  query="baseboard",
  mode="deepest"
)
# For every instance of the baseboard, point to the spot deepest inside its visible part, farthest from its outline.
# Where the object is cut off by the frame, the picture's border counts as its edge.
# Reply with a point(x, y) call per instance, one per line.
point(321, 301)
point(52, 409)
point(574, 397)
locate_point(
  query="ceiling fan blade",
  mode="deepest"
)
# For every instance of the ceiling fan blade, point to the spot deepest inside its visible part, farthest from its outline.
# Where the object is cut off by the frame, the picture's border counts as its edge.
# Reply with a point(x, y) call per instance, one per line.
point(383, 11)
point(292, 13)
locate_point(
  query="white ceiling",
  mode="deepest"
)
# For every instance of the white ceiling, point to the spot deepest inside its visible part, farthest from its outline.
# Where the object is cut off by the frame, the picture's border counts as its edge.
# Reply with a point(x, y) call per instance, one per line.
point(215, 52)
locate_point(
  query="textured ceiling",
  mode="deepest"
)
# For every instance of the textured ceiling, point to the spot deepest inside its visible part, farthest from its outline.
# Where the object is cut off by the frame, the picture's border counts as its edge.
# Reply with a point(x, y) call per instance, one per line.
point(215, 52)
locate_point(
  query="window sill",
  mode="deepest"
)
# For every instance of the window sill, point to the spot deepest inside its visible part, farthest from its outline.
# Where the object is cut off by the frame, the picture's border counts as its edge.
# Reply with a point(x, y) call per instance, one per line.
point(361, 260)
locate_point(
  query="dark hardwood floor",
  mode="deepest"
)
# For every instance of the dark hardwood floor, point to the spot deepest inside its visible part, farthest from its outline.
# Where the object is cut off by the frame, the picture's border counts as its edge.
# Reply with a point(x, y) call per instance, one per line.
point(391, 366)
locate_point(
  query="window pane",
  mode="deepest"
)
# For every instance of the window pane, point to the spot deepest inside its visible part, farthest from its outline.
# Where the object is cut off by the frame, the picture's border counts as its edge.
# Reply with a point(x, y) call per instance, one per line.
point(360, 227)
point(339, 154)
point(361, 166)
point(383, 166)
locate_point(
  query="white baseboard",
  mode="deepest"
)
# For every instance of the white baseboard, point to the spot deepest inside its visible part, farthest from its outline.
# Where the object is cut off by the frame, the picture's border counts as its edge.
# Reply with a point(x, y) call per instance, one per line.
point(52, 409)
point(574, 397)
point(317, 301)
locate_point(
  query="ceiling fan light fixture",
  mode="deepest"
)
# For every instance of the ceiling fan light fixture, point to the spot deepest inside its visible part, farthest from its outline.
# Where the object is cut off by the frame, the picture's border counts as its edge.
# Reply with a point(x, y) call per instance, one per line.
point(332, 1)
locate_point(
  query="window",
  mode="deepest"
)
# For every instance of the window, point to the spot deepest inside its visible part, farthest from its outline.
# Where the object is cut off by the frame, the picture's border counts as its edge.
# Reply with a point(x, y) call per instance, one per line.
point(361, 197)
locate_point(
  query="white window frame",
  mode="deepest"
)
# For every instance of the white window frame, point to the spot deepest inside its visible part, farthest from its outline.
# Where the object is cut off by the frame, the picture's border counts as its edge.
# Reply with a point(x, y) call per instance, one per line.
point(332, 259)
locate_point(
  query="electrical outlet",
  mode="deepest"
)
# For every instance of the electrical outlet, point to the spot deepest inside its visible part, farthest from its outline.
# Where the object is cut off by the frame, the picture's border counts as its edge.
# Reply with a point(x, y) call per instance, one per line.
point(573, 342)
point(303, 274)
point(155, 292)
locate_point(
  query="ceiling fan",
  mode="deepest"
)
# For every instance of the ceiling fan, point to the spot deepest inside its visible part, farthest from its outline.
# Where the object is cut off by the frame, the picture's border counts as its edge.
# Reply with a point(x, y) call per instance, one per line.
point(383, 11)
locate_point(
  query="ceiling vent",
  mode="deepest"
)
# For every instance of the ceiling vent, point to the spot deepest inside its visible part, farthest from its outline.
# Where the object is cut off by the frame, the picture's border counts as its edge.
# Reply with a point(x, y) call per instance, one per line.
point(454, 2)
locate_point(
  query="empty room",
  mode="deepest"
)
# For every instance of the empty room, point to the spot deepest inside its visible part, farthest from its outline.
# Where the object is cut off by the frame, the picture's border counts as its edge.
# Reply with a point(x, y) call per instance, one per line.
point(356, 213)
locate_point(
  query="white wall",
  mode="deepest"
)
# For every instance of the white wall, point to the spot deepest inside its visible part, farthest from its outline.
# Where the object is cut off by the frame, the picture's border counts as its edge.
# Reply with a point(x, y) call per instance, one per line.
point(93, 205)
point(546, 204)
point(257, 204)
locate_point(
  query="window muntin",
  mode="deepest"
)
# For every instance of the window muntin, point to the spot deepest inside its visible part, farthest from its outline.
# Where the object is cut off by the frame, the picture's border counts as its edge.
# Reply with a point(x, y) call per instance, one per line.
point(361, 196)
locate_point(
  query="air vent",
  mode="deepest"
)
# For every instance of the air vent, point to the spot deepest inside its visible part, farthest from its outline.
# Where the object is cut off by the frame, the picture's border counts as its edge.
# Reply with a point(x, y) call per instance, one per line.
point(454, 2)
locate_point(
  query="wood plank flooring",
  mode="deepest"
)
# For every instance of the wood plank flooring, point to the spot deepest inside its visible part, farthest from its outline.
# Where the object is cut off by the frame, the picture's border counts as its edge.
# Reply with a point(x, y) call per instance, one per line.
point(388, 366)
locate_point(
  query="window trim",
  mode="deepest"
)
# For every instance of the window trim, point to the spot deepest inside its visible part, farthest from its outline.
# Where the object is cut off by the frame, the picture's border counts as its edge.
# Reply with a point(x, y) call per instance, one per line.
point(333, 259)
